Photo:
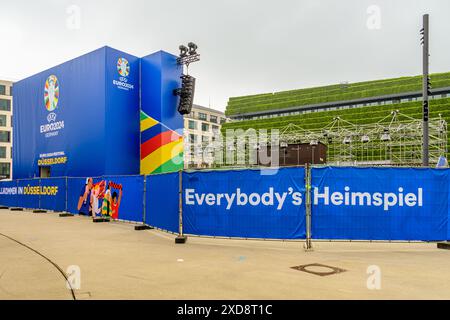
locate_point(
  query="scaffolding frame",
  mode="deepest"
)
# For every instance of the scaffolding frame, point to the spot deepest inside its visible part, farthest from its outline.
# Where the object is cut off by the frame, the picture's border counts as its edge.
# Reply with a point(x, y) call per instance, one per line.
point(395, 140)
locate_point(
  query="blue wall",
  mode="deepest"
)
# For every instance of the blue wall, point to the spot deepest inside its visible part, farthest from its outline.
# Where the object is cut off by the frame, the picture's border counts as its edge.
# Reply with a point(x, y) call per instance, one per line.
point(160, 76)
point(100, 132)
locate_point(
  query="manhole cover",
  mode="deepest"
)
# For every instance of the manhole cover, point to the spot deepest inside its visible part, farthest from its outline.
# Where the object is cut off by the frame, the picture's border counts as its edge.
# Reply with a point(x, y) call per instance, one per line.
point(318, 269)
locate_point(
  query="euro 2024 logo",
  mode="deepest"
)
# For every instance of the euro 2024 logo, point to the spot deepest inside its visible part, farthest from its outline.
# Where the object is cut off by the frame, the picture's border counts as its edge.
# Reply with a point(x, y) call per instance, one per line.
point(123, 68)
point(51, 96)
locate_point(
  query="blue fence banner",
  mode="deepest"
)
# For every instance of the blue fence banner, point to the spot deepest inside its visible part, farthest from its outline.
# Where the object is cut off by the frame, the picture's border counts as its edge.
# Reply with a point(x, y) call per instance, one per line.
point(380, 203)
point(347, 203)
point(28, 193)
point(8, 193)
point(75, 191)
point(265, 203)
point(161, 203)
point(53, 194)
point(127, 197)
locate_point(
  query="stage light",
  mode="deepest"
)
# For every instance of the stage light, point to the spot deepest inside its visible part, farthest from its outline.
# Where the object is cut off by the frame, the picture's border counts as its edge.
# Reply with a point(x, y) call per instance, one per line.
point(183, 51)
point(192, 48)
point(347, 140)
point(313, 142)
point(283, 145)
point(188, 54)
point(385, 136)
point(365, 138)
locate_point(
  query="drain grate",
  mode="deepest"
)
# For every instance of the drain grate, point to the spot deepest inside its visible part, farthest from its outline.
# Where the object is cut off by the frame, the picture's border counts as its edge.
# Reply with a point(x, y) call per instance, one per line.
point(317, 269)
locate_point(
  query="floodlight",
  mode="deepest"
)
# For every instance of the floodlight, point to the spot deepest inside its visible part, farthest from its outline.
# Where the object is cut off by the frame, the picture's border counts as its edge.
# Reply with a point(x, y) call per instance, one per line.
point(385, 136)
point(192, 48)
point(183, 51)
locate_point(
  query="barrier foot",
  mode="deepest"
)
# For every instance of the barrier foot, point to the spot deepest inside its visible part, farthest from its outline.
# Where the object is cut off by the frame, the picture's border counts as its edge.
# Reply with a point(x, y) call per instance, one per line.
point(16, 209)
point(180, 239)
point(443, 245)
point(142, 227)
point(39, 211)
point(99, 219)
point(307, 246)
point(3, 207)
point(66, 214)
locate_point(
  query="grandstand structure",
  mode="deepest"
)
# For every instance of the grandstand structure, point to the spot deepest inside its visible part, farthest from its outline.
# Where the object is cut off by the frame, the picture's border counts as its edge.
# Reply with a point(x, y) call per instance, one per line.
point(366, 123)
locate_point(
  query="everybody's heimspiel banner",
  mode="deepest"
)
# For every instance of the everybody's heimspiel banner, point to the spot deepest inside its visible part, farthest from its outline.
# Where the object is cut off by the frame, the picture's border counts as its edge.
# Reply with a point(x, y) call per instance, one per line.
point(346, 203)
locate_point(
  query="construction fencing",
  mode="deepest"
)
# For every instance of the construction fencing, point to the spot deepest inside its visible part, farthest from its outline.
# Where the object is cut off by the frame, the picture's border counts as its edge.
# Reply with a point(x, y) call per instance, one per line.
point(345, 203)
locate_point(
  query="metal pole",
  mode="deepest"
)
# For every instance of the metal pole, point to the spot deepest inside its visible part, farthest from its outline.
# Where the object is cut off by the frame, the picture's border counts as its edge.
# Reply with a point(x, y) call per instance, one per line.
point(67, 203)
point(425, 58)
point(181, 238)
point(308, 244)
point(144, 225)
point(40, 191)
point(180, 202)
point(144, 201)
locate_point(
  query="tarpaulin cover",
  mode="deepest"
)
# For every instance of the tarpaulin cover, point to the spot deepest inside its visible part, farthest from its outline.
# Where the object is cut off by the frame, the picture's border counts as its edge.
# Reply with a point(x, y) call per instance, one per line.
point(131, 203)
point(53, 194)
point(26, 198)
point(162, 204)
point(74, 189)
point(245, 203)
point(380, 203)
point(8, 193)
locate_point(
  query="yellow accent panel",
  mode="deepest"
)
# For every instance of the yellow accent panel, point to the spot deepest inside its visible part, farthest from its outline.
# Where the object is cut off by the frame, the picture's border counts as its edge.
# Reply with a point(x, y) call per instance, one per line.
point(161, 155)
point(147, 123)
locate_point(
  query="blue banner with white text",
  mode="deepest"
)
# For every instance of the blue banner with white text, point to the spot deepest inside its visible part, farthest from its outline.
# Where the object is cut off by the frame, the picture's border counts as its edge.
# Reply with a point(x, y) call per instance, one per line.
point(380, 203)
point(265, 203)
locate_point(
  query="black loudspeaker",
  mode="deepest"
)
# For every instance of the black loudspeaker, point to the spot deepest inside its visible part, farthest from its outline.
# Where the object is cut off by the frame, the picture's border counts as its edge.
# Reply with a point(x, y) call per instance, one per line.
point(186, 94)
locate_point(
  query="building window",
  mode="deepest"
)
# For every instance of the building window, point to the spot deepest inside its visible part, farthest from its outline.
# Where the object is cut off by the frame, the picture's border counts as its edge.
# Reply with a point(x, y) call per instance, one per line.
point(5, 105)
point(205, 139)
point(2, 90)
point(205, 127)
point(2, 120)
point(5, 170)
point(10, 91)
point(222, 120)
point(215, 129)
point(5, 136)
point(2, 152)
point(212, 119)
point(192, 138)
point(202, 116)
point(192, 125)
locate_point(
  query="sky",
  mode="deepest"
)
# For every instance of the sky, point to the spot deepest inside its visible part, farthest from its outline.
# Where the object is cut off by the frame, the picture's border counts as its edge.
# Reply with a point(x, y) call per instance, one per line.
point(246, 46)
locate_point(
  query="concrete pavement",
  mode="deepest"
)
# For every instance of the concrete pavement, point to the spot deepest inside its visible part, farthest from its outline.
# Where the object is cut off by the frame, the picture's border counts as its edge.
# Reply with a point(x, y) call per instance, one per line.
point(117, 262)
